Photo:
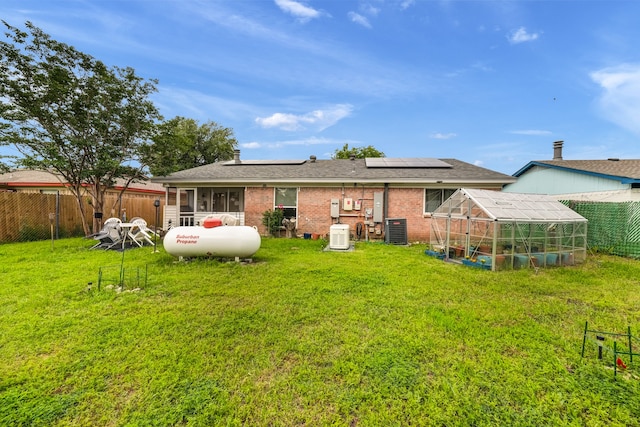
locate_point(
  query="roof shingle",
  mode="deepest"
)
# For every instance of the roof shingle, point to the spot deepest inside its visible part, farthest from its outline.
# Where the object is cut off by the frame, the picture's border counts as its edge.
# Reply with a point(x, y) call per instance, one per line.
point(613, 167)
point(335, 170)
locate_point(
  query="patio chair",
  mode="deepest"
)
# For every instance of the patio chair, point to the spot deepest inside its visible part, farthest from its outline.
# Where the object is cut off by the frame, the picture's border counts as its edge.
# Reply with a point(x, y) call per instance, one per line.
point(141, 233)
point(109, 236)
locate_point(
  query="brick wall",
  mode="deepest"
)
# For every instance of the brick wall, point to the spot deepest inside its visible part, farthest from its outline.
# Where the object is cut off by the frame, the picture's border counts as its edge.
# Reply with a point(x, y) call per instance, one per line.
point(314, 209)
point(256, 201)
point(409, 203)
point(314, 206)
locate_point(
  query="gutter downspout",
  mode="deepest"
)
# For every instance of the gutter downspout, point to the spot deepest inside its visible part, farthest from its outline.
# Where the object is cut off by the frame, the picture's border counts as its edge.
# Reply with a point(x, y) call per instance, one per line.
point(385, 200)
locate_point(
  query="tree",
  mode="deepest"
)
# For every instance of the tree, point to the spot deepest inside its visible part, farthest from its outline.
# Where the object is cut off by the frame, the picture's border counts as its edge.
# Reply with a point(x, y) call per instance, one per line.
point(3, 167)
point(182, 144)
point(69, 113)
point(357, 152)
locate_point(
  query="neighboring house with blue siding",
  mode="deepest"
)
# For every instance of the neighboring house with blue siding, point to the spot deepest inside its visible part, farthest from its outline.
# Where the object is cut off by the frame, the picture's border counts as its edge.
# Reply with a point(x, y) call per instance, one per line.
point(610, 180)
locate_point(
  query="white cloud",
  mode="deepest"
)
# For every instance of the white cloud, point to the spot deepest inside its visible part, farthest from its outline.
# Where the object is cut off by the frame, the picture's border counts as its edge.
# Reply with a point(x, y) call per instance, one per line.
point(620, 98)
point(297, 9)
point(438, 135)
point(359, 19)
point(251, 145)
point(521, 35)
point(280, 120)
point(369, 9)
point(173, 101)
point(297, 142)
point(405, 4)
point(359, 72)
point(532, 132)
point(305, 141)
point(318, 120)
point(481, 66)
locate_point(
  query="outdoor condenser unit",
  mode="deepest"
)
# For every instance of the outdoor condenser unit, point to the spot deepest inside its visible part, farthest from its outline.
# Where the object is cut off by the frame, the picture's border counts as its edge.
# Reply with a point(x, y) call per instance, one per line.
point(395, 231)
point(339, 236)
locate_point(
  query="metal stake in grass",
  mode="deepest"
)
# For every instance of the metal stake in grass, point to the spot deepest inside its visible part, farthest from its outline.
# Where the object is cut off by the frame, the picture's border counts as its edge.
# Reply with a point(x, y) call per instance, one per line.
point(122, 270)
point(600, 342)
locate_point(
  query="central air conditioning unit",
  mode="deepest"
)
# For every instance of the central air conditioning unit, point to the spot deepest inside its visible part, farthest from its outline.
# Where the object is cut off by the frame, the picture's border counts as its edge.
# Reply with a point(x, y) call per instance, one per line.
point(395, 231)
point(339, 236)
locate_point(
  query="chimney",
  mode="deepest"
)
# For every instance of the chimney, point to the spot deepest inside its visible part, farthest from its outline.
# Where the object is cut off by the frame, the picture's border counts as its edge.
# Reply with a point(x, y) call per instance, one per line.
point(557, 150)
point(312, 159)
point(236, 156)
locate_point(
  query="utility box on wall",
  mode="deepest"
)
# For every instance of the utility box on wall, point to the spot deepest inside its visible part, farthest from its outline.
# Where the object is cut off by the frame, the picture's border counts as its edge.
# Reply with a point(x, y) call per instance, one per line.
point(347, 204)
point(395, 231)
point(378, 201)
point(335, 208)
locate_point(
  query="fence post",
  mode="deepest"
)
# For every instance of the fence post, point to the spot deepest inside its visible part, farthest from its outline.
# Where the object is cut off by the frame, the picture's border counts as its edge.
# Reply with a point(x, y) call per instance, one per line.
point(584, 338)
point(615, 360)
point(52, 217)
point(630, 348)
point(57, 214)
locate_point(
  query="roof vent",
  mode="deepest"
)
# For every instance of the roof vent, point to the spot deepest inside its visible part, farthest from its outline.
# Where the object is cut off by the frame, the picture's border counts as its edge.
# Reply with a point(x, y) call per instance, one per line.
point(352, 156)
point(312, 158)
point(557, 150)
point(613, 159)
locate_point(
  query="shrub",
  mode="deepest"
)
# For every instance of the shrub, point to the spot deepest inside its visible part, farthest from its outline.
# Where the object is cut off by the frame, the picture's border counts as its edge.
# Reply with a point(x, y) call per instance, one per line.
point(272, 219)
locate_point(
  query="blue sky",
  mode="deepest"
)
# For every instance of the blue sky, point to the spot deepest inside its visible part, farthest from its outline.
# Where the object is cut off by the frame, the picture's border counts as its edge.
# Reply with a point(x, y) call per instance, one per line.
point(488, 82)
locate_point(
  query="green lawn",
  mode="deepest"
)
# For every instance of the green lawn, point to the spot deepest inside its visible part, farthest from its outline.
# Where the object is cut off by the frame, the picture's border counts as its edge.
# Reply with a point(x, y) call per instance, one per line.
point(381, 336)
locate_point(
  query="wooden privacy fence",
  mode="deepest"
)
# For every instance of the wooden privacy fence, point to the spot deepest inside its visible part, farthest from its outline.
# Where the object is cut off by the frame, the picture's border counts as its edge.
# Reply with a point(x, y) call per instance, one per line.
point(35, 216)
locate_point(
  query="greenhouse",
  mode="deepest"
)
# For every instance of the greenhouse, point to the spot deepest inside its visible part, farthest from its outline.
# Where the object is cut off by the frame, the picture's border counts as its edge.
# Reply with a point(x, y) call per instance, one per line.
point(495, 230)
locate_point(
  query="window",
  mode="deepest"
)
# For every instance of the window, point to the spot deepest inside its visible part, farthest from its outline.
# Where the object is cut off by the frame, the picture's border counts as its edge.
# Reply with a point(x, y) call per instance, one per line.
point(234, 201)
point(287, 199)
point(226, 199)
point(186, 199)
point(172, 196)
point(434, 197)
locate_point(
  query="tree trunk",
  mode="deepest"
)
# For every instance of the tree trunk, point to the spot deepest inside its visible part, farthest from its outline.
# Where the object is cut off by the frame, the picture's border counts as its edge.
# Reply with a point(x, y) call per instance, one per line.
point(97, 195)
point(83, 212)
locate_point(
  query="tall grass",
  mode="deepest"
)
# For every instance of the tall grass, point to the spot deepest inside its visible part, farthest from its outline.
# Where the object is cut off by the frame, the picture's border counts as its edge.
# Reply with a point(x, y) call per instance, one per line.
point(383, 335)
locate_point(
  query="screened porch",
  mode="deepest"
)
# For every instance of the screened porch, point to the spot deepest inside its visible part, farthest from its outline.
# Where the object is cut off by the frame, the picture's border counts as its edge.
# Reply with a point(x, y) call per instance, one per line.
point(188, 206)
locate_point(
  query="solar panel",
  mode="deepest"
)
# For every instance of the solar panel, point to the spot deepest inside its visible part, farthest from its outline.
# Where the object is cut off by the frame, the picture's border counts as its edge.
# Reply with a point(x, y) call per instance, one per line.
point(421, 162)
point(265, 162)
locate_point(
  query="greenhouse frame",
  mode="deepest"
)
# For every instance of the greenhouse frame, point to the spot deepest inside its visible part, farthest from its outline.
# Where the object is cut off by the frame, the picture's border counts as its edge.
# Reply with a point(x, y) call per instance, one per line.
point(495, 230)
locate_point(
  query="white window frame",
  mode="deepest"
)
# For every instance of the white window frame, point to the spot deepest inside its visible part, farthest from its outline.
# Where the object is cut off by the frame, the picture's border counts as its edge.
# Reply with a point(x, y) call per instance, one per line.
point(283, 206)
point(445, 193)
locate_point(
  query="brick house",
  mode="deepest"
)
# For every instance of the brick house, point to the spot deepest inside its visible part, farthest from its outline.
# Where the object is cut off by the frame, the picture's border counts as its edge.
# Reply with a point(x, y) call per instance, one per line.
point(362, 193)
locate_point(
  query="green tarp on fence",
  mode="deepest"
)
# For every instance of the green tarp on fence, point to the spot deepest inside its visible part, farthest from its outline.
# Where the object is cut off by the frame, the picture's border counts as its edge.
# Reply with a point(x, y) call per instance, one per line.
point(613, 227)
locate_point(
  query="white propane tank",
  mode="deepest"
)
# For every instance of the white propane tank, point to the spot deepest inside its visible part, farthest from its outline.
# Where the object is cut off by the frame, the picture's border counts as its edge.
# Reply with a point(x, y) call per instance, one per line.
point(223, 241)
